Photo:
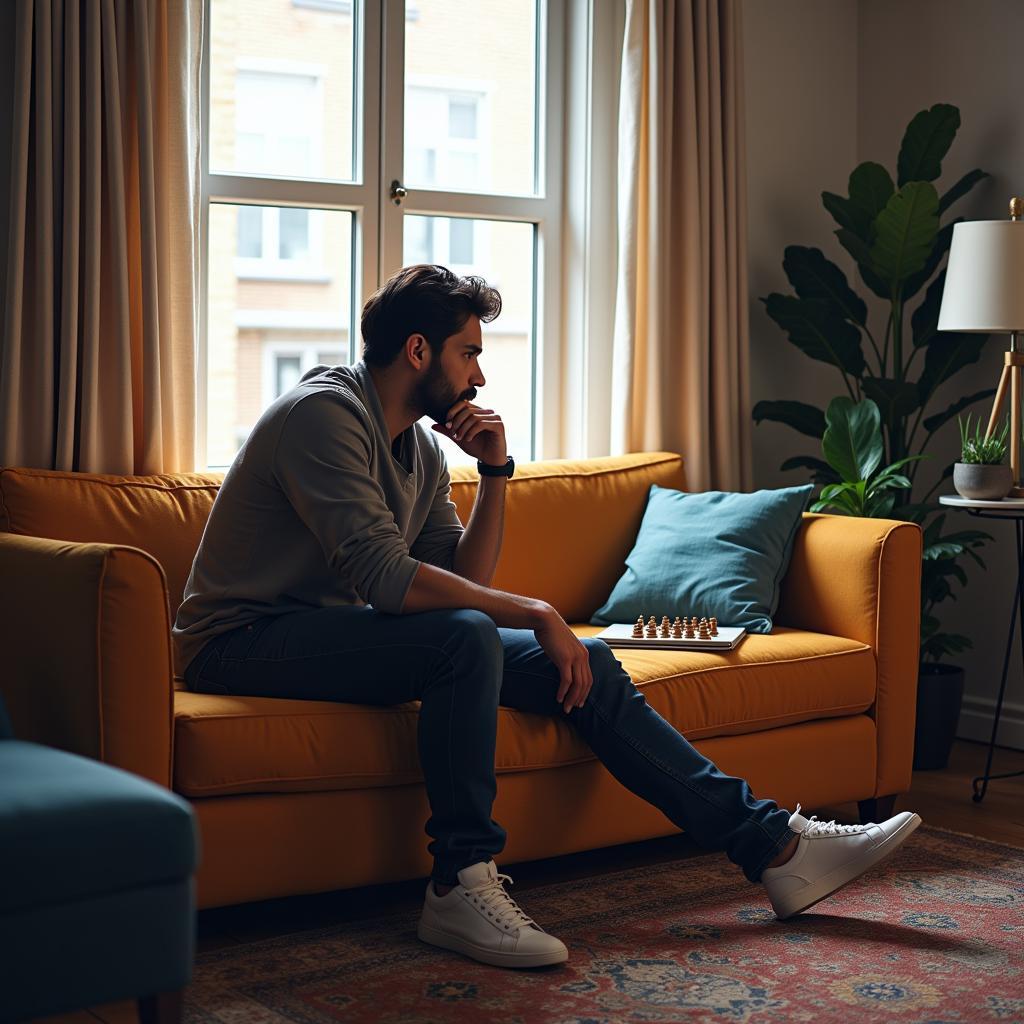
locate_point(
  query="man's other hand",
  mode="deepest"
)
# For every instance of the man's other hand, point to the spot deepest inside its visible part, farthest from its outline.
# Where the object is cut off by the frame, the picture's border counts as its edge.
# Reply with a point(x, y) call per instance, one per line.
point(571, 658)
point(478, 432)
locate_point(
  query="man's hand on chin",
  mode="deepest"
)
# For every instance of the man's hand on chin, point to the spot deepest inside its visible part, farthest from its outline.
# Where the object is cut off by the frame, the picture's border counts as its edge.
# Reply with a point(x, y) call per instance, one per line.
point(480, 433)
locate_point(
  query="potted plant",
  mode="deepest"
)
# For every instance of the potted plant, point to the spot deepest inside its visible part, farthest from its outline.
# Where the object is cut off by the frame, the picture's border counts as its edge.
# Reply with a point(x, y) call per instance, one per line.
point(892, 229)
point(980, 474)
point(852, 446)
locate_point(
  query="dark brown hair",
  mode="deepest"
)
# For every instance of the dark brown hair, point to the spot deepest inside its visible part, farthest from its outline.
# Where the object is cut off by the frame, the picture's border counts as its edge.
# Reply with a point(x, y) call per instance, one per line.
point(422, 299)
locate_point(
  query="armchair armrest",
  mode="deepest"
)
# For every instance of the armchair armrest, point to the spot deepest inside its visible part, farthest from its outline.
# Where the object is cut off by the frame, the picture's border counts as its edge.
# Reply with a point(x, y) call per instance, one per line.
point(85, 641)
point(861, 579)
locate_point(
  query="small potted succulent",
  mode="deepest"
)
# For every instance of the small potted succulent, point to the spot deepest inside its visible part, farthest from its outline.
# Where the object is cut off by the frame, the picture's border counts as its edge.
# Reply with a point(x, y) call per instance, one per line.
point(980, 474)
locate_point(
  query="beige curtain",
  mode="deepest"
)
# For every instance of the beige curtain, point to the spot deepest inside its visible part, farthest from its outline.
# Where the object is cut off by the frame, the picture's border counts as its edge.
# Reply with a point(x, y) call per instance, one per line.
point(681, 365)
point(97, 359)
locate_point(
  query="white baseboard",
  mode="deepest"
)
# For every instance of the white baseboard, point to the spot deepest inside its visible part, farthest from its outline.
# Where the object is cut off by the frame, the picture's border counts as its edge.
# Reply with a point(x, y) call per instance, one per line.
point(976, 722)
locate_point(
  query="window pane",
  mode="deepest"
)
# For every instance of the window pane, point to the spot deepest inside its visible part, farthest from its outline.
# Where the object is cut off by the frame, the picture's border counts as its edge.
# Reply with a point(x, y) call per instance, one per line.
point(268, 322)
point(293, 240)
point(504, 257)
point(473, 104)
point(287, 371)
point(460, 241)
point(281, 99)
point(250, 231)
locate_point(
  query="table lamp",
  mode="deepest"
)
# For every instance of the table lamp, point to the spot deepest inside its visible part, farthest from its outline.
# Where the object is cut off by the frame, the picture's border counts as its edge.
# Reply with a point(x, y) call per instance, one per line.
point(984, 292)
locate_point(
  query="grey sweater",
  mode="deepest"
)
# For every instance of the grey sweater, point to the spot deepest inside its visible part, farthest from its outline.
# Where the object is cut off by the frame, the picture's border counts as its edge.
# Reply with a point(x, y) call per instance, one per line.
point(317, 510)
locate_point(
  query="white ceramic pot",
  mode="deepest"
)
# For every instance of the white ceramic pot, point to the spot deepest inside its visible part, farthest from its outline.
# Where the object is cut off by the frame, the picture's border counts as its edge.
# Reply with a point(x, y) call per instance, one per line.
point(982, 483)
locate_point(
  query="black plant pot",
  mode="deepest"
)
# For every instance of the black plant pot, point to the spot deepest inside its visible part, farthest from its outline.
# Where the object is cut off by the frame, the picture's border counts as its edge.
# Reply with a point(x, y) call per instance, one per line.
point(940, 692)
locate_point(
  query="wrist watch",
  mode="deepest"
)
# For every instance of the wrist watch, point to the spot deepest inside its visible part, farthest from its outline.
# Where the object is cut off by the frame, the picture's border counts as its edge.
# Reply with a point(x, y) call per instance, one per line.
point(486, 469)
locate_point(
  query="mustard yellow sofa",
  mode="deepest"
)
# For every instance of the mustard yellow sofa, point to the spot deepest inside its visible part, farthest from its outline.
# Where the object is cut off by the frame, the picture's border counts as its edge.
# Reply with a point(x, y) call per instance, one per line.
point(303, 796)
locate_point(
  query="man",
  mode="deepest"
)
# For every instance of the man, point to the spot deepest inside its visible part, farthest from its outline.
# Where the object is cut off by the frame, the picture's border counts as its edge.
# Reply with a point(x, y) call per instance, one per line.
point(334, 567)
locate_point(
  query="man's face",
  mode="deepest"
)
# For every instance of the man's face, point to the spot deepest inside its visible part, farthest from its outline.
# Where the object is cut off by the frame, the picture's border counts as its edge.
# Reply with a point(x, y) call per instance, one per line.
point(453, 376)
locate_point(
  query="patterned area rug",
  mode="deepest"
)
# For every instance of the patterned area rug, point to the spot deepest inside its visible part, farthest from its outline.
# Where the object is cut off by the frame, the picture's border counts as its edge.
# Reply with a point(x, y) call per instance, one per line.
point(934, 934)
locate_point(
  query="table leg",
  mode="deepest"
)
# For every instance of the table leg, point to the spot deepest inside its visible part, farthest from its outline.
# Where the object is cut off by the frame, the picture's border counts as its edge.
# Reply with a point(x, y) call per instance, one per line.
point(1017, 613)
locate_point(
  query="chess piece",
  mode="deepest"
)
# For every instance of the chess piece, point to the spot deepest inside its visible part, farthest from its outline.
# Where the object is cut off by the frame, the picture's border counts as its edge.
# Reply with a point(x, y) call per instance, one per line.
point(691, 628)
point(652, 628)
point(713, 626)
point(638, 627)
point(703, 630)
point(677, 629)
point(663, 631)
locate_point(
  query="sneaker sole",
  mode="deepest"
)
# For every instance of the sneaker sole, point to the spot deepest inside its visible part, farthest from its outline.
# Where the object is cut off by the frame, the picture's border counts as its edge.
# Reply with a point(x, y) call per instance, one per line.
point(494, 957)
point(831, 883)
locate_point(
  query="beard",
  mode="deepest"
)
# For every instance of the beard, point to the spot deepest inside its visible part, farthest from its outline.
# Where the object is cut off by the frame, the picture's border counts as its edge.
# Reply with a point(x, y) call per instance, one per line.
point(435, 394)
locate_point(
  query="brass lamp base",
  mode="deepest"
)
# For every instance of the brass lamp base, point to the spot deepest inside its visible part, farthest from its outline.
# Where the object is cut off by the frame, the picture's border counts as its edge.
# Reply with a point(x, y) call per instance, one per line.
point(1013, 361)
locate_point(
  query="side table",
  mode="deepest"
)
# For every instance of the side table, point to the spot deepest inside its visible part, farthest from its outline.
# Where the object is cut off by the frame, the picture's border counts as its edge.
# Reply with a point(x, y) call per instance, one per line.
point(1005, 508)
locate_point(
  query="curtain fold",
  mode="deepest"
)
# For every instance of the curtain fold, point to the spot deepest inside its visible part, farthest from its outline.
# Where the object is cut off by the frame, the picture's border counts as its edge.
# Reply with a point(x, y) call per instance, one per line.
point(97, 354)
point(681, 339)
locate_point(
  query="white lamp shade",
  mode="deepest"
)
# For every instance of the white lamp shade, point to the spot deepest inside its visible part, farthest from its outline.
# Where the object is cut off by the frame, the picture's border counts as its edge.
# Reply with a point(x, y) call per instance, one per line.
point(984, 288)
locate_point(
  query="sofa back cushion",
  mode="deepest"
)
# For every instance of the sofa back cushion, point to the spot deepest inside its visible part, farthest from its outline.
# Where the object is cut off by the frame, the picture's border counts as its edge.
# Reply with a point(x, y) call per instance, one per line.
point(569, 524)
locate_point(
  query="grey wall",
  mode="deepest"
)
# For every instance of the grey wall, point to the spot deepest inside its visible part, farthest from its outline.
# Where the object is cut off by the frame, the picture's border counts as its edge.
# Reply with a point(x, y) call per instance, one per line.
point(830, 85)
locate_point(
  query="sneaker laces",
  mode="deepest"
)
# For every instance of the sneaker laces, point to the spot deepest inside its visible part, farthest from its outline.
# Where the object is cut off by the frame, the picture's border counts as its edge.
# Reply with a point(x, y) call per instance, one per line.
point(499, 905)
point(829, 828)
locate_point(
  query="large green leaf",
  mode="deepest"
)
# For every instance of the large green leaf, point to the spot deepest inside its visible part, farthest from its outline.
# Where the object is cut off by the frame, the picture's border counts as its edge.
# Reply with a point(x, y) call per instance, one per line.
point(925, 142)
point(915, 282)
point(906, 231)
point(861, 253)
point(932, 423)
point(808, 419)
point(946, 354)
point(847, 214)
point(852, 442)
point(961, 188)
point(925, 321)
point(894, 398)
point(818, 330)
point(815, 277)
point(870, 189)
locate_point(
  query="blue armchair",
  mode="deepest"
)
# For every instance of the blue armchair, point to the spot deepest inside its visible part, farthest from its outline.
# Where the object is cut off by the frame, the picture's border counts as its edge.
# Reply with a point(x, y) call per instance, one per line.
point(97, 900)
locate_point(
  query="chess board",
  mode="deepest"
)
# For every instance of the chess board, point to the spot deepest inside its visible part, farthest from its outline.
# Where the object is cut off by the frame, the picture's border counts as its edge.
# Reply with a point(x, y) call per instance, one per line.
point(621, 635)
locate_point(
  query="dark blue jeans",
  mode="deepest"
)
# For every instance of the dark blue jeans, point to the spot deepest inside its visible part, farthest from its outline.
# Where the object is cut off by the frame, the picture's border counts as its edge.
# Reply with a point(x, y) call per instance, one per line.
point(461, 666)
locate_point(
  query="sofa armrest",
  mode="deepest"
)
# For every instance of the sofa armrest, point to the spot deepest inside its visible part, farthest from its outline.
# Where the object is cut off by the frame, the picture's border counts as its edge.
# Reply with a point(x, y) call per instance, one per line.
point(85, 642)
point(861, 579)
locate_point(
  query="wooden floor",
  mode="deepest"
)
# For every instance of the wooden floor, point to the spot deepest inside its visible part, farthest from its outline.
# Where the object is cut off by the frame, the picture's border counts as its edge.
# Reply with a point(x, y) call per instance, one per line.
point(942, 798)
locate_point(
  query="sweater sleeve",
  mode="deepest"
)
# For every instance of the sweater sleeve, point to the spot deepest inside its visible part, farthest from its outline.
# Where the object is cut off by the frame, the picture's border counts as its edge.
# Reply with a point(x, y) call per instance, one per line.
point(443, 529)
point(322, 463)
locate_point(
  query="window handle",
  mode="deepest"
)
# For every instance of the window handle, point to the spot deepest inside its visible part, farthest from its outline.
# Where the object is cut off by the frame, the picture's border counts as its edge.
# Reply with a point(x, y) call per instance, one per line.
point(398, 193)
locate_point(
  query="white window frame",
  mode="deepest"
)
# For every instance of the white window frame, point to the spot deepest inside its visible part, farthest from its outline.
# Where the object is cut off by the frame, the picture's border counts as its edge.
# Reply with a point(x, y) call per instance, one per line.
point(378, 84)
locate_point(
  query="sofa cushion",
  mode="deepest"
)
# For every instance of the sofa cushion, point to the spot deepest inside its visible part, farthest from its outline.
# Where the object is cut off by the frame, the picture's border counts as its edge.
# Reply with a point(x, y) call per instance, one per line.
point(555, 546)
point(258, 745)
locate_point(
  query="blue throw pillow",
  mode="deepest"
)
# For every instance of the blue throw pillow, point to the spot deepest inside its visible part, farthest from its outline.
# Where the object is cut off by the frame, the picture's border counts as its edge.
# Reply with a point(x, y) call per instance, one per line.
point(709, 553)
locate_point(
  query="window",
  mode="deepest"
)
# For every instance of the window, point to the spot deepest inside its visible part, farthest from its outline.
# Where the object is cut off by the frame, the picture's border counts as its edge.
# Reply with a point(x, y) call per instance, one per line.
point(285, 363)
point(309, 118)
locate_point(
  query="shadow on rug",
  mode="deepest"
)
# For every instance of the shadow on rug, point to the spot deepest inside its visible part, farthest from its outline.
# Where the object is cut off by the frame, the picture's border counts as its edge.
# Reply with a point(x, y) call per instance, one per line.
point(933, 934)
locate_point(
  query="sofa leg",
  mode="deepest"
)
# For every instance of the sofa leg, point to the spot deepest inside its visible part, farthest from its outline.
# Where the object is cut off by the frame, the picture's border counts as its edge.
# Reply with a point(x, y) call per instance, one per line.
point(877, 808)
point(162, 1008)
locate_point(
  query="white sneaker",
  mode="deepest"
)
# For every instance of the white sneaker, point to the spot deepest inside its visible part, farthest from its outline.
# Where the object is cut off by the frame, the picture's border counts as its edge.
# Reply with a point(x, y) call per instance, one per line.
point(828, 856)
point(478, 918)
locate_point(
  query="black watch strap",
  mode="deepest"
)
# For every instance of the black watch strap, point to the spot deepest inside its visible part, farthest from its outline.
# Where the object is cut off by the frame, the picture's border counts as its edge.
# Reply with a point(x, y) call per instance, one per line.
point(485, 469)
